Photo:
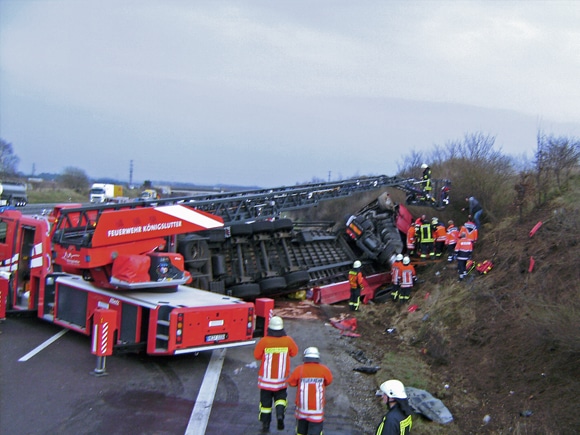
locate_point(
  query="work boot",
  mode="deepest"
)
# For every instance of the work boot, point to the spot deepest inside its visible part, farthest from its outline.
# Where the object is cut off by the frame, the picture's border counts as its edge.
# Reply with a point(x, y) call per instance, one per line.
point(265, 426)
point(280, 423)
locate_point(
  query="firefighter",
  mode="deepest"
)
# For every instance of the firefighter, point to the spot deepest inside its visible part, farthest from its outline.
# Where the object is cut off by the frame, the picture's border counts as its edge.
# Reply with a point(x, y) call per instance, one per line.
point(274, 350)
point(470, 229)
point(396, 276)
point(310, 379)
point(355, 278)
point(451, 240)
point(463, 250)
point(426, 237)
point(440, 236)
point(411, 233)
point(426, 180)
point(399, 418)
point(407, 279)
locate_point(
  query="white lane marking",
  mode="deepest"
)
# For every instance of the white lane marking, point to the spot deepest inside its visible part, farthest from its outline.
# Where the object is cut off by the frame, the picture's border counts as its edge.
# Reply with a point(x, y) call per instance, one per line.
point(43, 345)
point(200, 414)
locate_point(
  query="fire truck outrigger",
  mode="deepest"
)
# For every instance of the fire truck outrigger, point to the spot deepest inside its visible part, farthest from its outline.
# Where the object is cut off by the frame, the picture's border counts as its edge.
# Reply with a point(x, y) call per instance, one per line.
point(68, 266)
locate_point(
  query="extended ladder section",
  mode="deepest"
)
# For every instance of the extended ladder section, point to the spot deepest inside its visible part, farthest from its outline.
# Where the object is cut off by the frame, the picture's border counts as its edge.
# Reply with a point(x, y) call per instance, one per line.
point(247, 205)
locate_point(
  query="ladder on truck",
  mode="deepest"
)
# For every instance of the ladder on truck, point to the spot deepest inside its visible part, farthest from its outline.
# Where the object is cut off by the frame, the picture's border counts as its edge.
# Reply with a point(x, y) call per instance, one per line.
point(248, 205)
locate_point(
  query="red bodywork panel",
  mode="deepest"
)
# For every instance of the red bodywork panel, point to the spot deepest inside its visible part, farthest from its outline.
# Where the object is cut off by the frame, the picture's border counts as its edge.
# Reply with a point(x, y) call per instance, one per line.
point(340, 291)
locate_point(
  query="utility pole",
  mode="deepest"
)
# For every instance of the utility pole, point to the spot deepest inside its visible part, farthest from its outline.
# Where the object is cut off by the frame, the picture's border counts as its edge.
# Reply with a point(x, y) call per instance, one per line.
point(130, 174)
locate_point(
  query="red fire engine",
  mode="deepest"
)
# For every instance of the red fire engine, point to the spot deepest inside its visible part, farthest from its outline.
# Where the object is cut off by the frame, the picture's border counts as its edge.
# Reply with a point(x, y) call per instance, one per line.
point(80, 260)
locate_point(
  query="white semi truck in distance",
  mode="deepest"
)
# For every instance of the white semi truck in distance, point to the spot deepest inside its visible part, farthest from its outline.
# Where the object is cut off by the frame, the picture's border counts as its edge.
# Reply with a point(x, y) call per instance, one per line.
point(102, 192)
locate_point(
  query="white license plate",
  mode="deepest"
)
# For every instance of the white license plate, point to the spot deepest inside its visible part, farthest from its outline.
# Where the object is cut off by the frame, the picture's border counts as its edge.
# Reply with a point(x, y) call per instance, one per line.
point(215, 337)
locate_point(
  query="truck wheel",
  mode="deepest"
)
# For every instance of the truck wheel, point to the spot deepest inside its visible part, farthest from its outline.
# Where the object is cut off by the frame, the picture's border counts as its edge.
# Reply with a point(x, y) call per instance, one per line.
point(195, 252)
point(263, 227)
point(244, 291)
point(272, 285)
point(241, 230)
point(297, 279)
point(283, 225)
point(383, 295)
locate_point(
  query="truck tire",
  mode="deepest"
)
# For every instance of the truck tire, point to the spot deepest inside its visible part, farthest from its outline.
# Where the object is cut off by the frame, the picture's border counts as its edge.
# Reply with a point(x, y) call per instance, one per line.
point(263, 227)
point(272, 285)
point(283, 225)
point(297, 279)
point(241, 230)
point(195, 252)
point(244, 291)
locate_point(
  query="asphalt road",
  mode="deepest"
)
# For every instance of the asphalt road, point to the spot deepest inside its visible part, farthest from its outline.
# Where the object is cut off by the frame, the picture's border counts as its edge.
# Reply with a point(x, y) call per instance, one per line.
point(55, 390)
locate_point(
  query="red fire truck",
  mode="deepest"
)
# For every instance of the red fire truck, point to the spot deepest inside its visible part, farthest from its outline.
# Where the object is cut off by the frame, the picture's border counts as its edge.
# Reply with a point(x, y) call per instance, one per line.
point(78, 260)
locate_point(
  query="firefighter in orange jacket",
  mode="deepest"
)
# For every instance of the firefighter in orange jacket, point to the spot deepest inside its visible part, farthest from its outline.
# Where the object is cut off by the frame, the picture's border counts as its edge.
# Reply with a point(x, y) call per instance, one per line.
point(311, 380)
point(396, 276)
point(411, 232)
point(463, 249)
point(451, 241)
point(274, 350)
point(356, 281)
point(470, 229)
point(440, 235)
point(407, 279)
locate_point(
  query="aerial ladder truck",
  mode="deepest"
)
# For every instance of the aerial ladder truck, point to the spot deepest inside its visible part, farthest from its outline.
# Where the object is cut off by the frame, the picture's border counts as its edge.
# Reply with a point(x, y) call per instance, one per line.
point(70, 265)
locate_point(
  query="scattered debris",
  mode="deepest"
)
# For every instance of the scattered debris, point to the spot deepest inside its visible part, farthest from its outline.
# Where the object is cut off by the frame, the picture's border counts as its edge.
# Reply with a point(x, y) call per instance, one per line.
point(252, 365)
point(413, 308)
point(526, 413)
point(486, 419)
point(360, 357)
point(536, 228)
point(532, 263)
point(367, 369)
point(425, 404)
point(390, 330)
point(347, 325)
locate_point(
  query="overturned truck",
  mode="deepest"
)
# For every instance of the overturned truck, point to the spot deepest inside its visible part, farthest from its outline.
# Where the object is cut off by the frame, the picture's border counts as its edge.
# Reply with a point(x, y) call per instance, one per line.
point(273, 256)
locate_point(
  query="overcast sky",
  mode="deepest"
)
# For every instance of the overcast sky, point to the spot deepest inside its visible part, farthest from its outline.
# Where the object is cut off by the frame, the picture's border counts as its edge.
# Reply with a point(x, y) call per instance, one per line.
point(271, 93)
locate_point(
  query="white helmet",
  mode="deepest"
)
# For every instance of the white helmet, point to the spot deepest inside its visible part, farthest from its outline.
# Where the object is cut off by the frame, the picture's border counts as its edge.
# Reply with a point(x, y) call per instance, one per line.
point(424, 166)
point(399, 257)
point(276, 323)
point(357, 264)
point(406, 260)
point(311, 353)
point(394, 389)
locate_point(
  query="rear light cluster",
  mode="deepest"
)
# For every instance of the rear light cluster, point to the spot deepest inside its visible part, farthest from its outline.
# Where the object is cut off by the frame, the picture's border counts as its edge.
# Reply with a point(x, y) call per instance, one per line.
point(179, 330)
point(250, 324)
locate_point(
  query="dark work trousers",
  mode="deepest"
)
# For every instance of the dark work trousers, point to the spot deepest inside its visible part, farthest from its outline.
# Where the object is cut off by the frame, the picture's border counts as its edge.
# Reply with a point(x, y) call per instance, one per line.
point(280, 402)
point(305, 427)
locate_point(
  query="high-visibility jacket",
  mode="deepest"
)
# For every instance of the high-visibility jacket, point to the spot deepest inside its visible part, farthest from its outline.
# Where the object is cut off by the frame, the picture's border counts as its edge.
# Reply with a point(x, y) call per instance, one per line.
point(275, 354)
point(396, 272)
point(411, 237)
point(452, 235)
point(311, 380)
point(470, 229)
point(440, 233)
point(426, 233)
point(355, 279)
point(408, 275)
point(395, 423)
point(464, 248)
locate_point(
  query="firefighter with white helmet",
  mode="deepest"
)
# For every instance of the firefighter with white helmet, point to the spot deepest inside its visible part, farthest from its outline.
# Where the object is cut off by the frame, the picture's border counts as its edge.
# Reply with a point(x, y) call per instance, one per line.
point(310, 379)
point(356, 281)
point(398, 420)
point(274, 351)
point(396, 276)
point(407, 278)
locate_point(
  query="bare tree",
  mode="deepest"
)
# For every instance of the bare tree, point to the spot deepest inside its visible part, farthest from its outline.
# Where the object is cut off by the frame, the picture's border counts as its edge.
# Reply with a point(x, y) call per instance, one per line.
point(8, 160)
point(74, 178)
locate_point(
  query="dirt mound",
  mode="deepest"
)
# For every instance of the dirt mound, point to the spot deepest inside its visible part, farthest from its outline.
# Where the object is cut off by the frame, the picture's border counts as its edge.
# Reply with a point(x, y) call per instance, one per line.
point(501, 349)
